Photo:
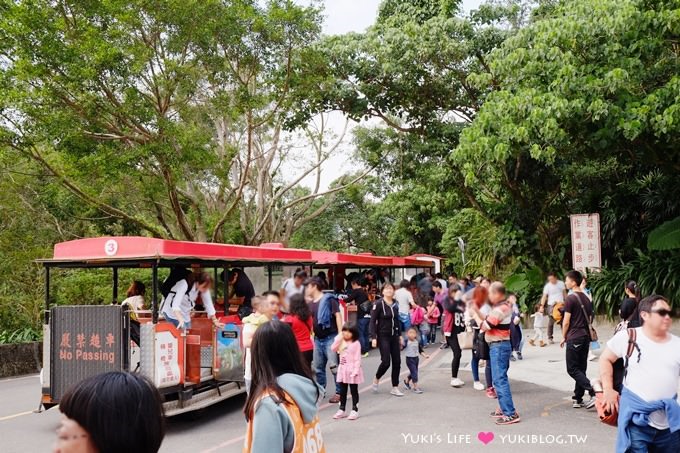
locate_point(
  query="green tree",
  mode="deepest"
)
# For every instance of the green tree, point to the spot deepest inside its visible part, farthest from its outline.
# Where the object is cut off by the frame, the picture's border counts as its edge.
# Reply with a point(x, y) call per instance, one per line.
point(166, 115)
point(584, 117)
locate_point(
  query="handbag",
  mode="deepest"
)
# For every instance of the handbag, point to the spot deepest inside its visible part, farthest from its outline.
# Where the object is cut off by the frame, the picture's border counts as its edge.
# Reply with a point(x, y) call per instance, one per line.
point(611, 417)
point(591, 329)
point(465, 339)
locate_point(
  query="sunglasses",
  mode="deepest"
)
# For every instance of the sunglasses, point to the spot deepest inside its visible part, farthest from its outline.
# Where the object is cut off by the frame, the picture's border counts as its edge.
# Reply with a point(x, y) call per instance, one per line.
point(663, 312)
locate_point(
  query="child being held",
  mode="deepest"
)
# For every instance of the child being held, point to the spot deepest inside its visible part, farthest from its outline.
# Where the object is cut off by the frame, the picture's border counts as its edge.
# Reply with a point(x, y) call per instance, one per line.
point(413, 351)
point(350, 374)
point(432, 317)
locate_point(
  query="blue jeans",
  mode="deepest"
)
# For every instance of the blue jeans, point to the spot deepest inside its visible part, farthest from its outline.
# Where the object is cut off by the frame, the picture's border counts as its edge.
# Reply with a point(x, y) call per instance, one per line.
point(323, 355)
point(647, 439)
point(500, 352)
point(424, 329)
point(187, 325)
point(405, 320)
point(362, 325)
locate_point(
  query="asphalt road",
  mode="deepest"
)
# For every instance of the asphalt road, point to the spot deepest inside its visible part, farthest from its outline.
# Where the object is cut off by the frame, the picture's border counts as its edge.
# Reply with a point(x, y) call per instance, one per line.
point(441, 419)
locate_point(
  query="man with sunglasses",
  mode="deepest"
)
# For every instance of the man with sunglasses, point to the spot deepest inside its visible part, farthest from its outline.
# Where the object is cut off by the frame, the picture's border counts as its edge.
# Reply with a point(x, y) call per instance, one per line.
point(649, 414)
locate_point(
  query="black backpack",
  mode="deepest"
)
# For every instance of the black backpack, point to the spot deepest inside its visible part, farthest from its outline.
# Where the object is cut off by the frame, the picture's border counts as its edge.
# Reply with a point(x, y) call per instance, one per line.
point(177, 273)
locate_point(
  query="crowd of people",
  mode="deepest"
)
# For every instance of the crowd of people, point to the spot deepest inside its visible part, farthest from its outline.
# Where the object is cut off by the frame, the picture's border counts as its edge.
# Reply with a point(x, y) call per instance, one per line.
point(295, 336)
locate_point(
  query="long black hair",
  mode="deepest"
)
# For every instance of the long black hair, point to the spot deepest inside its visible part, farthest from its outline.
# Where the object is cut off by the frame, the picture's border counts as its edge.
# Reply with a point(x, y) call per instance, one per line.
point(298, 307)
point(633, 287)
point(274, 351)
point(120, 411)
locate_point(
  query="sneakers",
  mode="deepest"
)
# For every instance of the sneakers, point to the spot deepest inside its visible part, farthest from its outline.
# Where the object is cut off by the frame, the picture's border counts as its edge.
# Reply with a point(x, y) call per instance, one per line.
point(478, 386)
point(444, 346)
point(335, 399)
point(353, 415)
point(519, 356)
point(508, 420)
point(577, 404)
point(374, 387)
point(340, 414)
point(364, 355)
point(590, 404)
point(406, 384)
point(455, 382)
point(417, 390)
point(512, 357)
point(498, 413)
point(491, 392)
point(396, 392)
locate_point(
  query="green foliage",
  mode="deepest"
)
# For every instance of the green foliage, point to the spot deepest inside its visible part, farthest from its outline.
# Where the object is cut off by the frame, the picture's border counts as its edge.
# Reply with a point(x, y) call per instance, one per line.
point(528, 286)
point(655, 273)
point(666, 236)
point(24, 335)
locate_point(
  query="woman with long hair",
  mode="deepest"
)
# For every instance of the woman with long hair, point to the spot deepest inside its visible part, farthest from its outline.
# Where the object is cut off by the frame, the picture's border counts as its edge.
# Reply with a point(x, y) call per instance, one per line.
point(281, 408)
point(629, 307)
point(184, 295)
point(134, 304)
point(452, 325)
point(385, 331)
point(300, 319)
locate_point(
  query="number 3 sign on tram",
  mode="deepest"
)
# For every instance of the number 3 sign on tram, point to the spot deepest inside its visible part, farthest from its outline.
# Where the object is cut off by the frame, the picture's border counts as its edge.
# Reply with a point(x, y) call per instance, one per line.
point(111, 247)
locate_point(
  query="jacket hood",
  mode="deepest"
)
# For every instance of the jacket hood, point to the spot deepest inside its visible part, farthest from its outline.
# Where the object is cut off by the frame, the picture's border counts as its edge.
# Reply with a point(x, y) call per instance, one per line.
point(255, 318)
point(304, 393)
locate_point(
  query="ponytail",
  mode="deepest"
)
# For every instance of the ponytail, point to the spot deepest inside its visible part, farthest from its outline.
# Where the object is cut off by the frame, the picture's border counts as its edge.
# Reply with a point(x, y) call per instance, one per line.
point(633, 287)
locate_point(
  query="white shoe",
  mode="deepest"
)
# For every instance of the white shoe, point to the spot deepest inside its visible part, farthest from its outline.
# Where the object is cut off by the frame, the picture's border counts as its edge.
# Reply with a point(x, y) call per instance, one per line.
point(396, 392)
point(455, 382)
point(374, 387)
point(478, 385)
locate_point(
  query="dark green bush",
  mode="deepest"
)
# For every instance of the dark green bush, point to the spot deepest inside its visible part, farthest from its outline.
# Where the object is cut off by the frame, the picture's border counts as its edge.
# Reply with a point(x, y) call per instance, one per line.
point(655, 272)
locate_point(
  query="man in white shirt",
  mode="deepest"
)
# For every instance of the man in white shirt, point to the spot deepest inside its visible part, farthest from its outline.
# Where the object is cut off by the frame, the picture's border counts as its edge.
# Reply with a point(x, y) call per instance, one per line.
point(405, 299)
point(554, 292)
point(649, 413)
point(292, 286)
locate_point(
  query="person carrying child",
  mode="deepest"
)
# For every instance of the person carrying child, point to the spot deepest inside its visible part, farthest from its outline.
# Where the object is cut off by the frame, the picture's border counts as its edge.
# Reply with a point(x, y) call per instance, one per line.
point(413, 351)
point(418, 321)
point(350, 374)
point(432, 317)
point(539, 326)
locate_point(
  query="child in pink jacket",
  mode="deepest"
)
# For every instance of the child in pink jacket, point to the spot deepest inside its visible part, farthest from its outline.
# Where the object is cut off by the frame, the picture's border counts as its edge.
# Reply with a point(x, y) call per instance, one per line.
point(350, 374)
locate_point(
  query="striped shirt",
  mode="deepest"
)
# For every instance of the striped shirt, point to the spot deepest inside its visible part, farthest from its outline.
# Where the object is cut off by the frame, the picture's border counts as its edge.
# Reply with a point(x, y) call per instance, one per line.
point(496, 326)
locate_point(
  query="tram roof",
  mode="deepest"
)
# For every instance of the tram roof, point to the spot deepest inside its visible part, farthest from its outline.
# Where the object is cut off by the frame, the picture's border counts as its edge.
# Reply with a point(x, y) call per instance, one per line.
point(124, 251)
point(366, 260)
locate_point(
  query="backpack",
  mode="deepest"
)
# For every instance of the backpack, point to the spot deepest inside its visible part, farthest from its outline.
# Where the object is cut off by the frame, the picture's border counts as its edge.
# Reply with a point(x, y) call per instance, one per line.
point(176, 274)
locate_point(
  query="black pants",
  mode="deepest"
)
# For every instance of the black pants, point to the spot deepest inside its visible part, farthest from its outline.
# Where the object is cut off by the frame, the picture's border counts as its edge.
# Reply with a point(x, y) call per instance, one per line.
point(551, 325)
point(515, 337)
point(389, 349)
point(452, 341)
point(412, 365)
point(308, 356)
point(577, 363)
point(354, 388)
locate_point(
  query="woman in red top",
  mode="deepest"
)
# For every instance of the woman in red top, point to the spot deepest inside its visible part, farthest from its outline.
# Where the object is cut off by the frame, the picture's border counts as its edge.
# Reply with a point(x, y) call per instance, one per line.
point(300, 319)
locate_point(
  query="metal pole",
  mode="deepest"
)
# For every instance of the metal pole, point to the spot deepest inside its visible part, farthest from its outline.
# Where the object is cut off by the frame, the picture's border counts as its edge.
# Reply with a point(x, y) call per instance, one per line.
point(47, 295)
point(115, 285)
point(154, 278)
point(215, 289)
point(225, 288)
point(269, 276)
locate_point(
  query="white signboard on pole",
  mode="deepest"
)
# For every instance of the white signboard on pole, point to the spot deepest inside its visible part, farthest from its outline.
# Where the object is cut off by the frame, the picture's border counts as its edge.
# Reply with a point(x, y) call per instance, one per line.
point(586, 243)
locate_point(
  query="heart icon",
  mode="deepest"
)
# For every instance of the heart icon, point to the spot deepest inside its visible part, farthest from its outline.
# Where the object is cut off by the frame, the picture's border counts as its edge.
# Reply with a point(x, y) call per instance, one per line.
point(485, 438)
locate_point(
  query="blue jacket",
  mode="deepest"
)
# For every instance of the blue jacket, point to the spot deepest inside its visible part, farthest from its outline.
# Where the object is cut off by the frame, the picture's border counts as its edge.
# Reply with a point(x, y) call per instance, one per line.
point(324, 314)
point(634, 409)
